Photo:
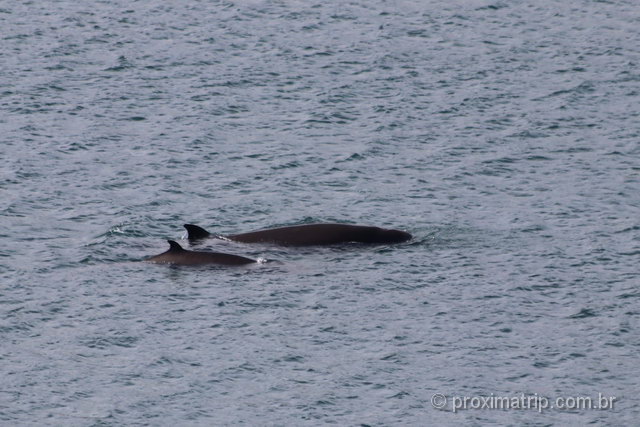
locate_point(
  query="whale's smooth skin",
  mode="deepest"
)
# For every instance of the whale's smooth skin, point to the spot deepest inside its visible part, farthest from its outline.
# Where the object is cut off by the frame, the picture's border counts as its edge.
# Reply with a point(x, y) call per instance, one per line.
point(310, 235)
point(178, 256)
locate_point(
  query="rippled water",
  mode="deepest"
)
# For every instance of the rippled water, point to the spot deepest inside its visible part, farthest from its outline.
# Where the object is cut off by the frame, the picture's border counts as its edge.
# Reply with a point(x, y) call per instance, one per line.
point(503, 135)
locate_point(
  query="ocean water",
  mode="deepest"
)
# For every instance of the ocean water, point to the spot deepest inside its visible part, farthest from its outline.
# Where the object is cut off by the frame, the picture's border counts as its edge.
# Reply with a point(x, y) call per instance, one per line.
point(504, 135)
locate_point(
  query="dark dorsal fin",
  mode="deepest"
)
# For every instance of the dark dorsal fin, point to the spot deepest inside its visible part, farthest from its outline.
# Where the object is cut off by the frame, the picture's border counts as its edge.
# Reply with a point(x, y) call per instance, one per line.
point(195, 232)
point(175, 247)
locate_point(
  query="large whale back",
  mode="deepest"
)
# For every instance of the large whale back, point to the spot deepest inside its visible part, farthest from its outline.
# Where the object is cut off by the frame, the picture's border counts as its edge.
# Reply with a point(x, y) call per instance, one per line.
point(179, 256)
point(311, 234)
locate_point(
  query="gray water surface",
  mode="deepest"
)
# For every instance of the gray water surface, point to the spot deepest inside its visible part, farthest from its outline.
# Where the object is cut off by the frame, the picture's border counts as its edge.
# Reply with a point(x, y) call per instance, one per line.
point(503, 135)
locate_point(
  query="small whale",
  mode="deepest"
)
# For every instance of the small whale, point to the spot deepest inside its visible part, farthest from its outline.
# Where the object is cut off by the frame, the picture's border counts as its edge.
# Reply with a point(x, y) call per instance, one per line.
point(309, 235)
point(179, 256)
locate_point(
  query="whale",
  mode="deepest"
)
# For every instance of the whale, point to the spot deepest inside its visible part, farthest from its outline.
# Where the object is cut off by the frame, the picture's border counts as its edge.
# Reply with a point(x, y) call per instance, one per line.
point(309, 235)
point(177, 255)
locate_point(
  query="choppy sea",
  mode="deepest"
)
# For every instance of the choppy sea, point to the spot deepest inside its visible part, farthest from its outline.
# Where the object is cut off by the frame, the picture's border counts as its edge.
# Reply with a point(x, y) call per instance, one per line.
point(504, 135)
